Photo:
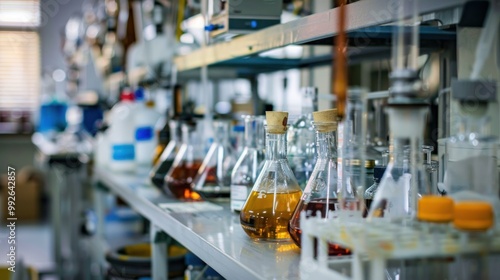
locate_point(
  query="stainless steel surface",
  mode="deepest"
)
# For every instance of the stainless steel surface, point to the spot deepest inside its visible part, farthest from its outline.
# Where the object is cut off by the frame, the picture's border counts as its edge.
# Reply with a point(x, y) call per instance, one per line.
point(214, 236)
point(307, 29)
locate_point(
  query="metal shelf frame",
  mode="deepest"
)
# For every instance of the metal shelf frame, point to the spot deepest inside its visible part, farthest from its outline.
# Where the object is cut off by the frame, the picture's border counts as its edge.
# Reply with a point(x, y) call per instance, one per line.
point(306, 30)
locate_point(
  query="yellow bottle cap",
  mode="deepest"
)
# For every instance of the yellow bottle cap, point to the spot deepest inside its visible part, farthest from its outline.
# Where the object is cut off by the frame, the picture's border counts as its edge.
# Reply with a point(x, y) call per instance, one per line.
point(433, 208)
point(473, 215)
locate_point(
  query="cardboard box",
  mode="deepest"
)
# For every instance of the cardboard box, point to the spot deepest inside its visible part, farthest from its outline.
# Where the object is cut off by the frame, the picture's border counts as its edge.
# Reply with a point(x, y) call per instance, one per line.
point(28, 190)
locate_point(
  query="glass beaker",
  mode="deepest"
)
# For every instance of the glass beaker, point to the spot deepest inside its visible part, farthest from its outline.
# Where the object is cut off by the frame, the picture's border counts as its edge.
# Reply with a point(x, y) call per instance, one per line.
point(275, 194)
point(213, 180)
point(186, 164)
point(405, 178)
point(321, 190)
point(249, 163)
point(472, 152)
point(160, 169)
point(301, 144)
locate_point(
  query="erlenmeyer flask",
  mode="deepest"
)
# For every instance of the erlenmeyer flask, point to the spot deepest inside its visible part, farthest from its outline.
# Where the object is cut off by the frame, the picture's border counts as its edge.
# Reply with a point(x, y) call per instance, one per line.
point(275, 194)
point(405, 178)
point(321, 190)
point(166, 159)
point(213, 180)
point(249, 163)
point(186, 164)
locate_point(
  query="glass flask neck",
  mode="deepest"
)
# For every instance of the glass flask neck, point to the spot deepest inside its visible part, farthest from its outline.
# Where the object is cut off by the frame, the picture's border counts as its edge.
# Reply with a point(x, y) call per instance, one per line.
point(221, 129)
point(327, 144)
point(275, 146)
point(399, 155)
point(353, 122)
point(309, 100)
point(174, 130)
point(187, 133)
point(254, 133)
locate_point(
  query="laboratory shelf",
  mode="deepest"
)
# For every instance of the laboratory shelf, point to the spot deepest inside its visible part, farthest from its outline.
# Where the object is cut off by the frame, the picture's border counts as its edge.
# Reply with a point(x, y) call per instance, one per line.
point(214, 236)
point(318, 28)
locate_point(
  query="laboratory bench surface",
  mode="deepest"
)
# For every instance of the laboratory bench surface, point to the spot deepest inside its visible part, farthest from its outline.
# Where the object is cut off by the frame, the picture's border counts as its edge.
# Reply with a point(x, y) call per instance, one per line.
point(213, 235)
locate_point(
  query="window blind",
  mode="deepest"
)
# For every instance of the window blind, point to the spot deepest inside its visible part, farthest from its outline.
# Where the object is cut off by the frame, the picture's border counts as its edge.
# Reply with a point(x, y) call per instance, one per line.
point(19, 70)
point(19, 13)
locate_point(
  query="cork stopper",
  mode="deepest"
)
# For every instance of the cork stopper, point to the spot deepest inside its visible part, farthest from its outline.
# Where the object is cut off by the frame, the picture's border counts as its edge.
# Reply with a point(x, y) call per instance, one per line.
point(276, 122)
point(326, 120)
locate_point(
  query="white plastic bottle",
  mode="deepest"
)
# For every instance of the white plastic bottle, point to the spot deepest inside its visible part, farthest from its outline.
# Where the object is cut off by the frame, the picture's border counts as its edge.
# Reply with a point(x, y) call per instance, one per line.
point(145, 119)
point(121, 134)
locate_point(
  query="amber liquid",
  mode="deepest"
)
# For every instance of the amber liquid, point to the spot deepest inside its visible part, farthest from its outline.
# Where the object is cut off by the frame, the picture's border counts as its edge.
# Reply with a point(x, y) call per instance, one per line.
point(311, 208)
point(259, 220)
point(180, 179)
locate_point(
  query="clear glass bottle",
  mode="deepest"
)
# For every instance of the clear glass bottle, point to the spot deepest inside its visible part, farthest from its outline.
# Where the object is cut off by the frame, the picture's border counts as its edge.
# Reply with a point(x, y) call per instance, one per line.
point(213, 180)
point(167, 157)
point(471, 153)
point(186, 164)
point(275, 194)
point(301, 144)
point(321, 190)
point(249, 164)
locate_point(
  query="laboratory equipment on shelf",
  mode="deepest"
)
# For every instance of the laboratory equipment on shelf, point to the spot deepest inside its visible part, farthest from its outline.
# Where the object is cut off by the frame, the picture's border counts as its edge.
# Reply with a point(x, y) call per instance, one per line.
point(213, 179)
point(250, 162)
point(275, 194)
point(320, 195)
point(145, 118)
point(471, 153)
point(186, 164)
point(121, 134)
point(300, 136)
point(160, 169)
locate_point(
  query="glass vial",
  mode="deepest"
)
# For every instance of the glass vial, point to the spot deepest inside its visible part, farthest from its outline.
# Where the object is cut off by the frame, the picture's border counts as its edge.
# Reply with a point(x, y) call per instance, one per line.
point(321, 190)
point(301, 144)
point(186, 164)
point(213, 180)
point(249, 164)
point(275, 194)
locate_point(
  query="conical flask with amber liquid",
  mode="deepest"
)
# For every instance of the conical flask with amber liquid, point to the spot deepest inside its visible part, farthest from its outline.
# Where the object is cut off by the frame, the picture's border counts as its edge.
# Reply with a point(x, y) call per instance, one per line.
point(320, 194)
point(276, 192)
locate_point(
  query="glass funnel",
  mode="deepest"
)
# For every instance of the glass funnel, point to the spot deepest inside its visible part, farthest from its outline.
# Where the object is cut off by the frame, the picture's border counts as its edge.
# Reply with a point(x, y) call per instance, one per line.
point(320, 195)
point(186, 164)
point(213, 180)
point(249, 163)
point(160, 169)
point(301, 145)
point(275, 194)
point(405, 178)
